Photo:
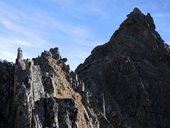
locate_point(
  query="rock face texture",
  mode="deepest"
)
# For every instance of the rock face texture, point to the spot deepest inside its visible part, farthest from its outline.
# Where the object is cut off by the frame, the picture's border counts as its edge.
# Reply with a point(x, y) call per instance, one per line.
point(124, 83)
point(39, 93)
point(132, 74)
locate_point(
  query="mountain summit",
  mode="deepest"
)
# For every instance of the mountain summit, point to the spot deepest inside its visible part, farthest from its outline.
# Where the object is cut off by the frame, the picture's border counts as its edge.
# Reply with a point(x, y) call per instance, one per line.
point(132, 71)
point(124, 83)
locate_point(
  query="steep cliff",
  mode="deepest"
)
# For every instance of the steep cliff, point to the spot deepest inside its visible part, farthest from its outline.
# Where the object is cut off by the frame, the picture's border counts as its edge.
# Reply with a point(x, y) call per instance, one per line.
point(132, 74)
point(39, 93)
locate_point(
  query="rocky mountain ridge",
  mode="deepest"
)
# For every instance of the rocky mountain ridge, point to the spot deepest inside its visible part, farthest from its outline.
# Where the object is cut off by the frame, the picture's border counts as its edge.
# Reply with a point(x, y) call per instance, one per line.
point(122, 84)
point(41, 92)
point(132, 70)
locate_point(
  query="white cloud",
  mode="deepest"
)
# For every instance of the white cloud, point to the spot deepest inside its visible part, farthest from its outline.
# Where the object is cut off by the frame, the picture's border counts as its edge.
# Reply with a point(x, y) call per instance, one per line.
point(7, 23)
point(23, 43)
point(31, 32)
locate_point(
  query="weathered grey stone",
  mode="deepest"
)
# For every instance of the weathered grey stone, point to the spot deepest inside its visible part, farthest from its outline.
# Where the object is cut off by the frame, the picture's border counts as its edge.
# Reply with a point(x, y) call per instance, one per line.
point(29, 100)
point(55, 53)
point(19, 54)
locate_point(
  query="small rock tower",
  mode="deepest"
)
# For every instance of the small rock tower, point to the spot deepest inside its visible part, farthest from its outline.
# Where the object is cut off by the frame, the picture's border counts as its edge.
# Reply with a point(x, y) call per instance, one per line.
point(19, 54)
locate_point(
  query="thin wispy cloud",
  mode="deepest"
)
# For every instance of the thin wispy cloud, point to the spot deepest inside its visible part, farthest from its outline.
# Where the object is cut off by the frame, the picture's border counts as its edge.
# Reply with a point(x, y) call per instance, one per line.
point(33, 30)
point(75, 26)
point(13, 21)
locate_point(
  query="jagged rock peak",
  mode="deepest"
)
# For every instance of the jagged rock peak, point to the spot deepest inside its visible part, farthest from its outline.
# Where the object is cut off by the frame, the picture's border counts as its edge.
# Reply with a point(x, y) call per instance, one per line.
point(136, 23)
point(39, 93)
point(136, 10)
point(138, 15)
point(132, 70)
point(54, 52)
point(19, 54)
point(150, 21)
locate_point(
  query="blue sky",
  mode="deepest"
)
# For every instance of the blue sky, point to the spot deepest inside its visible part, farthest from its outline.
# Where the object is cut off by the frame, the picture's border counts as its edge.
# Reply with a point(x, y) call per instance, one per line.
point(75, 26)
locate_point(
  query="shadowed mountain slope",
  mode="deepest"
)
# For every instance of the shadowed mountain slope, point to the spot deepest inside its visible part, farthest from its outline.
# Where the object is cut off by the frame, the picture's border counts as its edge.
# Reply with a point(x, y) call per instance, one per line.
point(132, 72)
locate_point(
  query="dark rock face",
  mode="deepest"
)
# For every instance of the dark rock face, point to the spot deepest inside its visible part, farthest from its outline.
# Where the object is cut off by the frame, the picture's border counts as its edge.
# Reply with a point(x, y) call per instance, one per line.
point(6, 91)
point(132, 70)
